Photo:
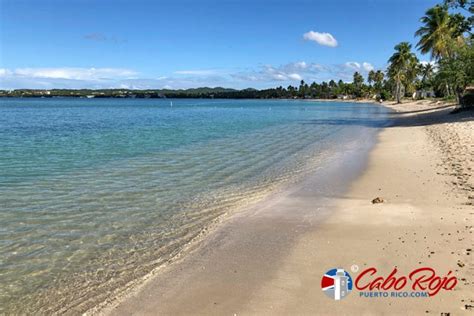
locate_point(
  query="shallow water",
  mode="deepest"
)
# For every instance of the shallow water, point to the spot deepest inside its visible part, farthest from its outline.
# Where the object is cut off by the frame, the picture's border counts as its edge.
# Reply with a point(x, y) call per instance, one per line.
point(95, 193)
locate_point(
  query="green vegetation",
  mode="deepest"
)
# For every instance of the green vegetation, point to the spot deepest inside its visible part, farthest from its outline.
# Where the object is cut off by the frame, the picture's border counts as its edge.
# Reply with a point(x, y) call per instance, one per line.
point(436, 33)
point(447, 37)
point(457, 71)
point(324, 90)
point(445, 34)
point(402, 69)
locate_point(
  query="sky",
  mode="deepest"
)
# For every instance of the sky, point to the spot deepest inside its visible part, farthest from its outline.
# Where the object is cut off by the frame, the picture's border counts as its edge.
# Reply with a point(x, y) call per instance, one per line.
point(139, 44)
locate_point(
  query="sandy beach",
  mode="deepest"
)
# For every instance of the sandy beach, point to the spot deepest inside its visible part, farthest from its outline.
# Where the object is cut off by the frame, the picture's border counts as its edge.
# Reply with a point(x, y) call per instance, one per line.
point(269, 258)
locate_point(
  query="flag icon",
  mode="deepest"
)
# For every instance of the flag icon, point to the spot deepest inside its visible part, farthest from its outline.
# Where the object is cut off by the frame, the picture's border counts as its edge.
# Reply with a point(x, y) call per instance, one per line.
point(336, 283)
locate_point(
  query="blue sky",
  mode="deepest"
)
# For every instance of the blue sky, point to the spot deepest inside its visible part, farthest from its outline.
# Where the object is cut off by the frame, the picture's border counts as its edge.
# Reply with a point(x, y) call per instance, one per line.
point(183, 44)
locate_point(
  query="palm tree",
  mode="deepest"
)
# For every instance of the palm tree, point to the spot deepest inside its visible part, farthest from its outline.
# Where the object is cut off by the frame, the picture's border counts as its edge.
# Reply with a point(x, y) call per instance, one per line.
point(402, 68)
point(358, 84)
point(427, 72)
point(371, 77)
point(302, 89)
point(378, 78)
point(442, 32)
point(436, 33)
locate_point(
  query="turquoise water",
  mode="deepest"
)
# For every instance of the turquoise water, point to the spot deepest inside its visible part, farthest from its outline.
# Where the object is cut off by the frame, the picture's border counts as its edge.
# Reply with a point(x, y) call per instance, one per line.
point(95, 193)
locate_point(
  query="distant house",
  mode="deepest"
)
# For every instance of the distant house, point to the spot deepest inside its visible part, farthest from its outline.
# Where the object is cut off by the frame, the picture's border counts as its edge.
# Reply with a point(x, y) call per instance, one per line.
point(344, 96)
point(422, 94)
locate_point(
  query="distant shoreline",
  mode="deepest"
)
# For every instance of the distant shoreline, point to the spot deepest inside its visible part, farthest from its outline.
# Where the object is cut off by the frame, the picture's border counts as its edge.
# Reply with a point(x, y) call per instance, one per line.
point(437, 101)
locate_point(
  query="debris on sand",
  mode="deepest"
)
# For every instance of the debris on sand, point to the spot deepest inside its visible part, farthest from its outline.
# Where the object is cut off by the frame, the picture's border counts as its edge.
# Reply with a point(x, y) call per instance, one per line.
point(378, 200)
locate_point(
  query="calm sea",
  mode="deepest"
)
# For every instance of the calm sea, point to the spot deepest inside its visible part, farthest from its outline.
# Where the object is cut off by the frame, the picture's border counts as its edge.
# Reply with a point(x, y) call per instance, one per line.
point(96, 193)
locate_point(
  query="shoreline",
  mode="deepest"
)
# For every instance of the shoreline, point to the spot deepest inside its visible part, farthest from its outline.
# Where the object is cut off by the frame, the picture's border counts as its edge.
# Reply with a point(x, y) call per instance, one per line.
point(252, 230)
point(290, 282)
point(351, 158)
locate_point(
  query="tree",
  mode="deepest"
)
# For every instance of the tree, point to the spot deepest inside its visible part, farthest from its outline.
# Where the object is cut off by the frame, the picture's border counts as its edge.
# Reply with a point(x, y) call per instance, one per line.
point(467, 5)
point(315, 90)
point(358, 84)
point(378, 81)
point(291, 91)
point(460, 4)
point(371, 77)
point(302, 89)
point(332, 89)
point(458, 69)
point(341, 88)
point(427, 74)
point(459, 25)
point(402, 68)
point(435, 35)
point(440, 29)
point(442, 33)
point(325, 91)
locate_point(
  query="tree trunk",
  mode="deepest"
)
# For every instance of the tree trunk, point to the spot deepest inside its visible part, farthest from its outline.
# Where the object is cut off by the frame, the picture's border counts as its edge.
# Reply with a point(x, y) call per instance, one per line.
point(459, 98)
point(397, 92)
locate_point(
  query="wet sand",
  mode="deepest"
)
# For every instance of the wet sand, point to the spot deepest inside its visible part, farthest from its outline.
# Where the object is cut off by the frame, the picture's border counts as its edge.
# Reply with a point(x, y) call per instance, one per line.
point(269, 259)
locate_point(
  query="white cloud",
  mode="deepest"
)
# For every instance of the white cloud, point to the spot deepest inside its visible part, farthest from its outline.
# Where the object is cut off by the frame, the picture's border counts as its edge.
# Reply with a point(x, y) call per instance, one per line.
point(295, 76)
point(325, 39)
point(263, 76)
point(125, 86)
point(367, 66)
point(280, 77)
point(66, 77)
point(352, 65)
point(71, 73)
point(300, 65)
point(271, 76)
point(286, 72)
point(201, 72)
point(355, 66)
point(101, 78)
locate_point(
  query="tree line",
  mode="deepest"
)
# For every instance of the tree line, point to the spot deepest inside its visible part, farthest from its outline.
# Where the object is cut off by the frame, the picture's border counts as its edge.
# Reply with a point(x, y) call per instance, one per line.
point(446, 35)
